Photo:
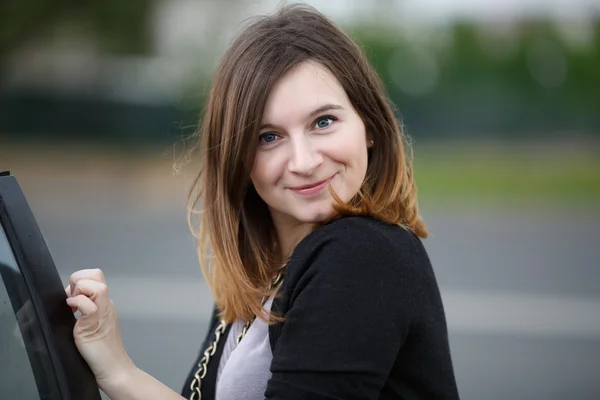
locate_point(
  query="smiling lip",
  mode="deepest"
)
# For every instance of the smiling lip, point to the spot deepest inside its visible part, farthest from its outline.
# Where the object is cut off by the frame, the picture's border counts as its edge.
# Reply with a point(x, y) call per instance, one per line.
point(310, 190)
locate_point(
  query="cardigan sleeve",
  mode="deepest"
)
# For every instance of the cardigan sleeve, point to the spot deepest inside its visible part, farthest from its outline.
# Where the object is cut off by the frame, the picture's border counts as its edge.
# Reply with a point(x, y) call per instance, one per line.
point(350, 312)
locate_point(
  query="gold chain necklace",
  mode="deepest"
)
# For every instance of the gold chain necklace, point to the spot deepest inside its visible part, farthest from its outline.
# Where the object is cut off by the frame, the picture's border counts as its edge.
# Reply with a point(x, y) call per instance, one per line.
point(196, 385)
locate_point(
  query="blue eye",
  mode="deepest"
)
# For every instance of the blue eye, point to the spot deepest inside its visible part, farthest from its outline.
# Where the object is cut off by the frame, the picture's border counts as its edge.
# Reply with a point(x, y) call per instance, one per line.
point(324, 121)
point(267, 138)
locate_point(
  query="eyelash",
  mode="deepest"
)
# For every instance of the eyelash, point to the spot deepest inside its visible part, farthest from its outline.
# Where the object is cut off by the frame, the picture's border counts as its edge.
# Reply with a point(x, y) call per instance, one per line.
point(331, 117)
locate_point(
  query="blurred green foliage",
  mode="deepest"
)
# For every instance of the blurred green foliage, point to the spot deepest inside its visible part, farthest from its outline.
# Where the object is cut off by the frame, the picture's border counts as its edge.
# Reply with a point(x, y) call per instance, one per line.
point(119, 27)
point(528, 80)
point(466, 80)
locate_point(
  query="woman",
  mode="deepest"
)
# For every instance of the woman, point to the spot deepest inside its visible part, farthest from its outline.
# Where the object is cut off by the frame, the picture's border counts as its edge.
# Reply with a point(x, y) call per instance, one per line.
point(323, 289)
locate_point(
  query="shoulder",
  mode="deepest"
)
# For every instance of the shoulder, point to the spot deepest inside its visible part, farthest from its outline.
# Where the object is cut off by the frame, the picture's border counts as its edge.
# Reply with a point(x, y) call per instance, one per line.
point(361, 236)
point(360, 248)
point(359, 266)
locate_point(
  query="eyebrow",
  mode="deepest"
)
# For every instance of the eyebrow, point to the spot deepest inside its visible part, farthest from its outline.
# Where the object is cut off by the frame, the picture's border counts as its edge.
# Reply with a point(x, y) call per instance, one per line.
point(312, 114)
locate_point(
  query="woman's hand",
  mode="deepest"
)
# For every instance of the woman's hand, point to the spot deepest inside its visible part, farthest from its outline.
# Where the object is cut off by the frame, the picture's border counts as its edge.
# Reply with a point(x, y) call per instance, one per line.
point(97, 333)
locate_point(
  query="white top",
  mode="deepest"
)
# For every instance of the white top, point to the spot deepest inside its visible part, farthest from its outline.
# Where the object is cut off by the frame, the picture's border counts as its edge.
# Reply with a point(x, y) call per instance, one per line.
point(245, 369)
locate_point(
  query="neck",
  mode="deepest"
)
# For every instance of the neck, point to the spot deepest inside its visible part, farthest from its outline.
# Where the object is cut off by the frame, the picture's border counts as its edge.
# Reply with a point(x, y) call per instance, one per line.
point(289, 234)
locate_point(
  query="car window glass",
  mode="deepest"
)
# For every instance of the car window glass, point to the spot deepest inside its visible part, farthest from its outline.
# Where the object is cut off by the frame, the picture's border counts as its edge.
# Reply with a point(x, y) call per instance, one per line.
point(22, 343)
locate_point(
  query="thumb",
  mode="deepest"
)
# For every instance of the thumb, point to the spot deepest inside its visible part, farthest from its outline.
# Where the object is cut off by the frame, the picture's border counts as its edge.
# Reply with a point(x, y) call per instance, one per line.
point(83, 304)
point(68, 293)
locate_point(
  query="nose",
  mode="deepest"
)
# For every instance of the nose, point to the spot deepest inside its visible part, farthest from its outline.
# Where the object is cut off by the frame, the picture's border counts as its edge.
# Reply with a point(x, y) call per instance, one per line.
point(304, 157)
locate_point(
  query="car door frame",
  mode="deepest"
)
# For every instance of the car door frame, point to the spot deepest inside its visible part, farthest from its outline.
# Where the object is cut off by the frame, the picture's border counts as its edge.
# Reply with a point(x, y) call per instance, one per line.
point(74, 378)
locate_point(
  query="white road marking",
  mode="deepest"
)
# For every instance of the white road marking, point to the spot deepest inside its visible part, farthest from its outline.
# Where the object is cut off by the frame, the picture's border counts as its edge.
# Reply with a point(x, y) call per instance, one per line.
point(522, 314)
point(470, 312)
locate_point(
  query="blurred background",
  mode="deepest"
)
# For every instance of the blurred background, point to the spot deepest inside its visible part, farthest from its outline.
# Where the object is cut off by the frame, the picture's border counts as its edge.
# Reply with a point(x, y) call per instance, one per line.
point(98, 102)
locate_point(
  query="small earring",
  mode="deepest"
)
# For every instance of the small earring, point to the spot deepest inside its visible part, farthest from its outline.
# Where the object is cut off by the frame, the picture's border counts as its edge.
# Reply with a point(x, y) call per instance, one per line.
point(371, 143)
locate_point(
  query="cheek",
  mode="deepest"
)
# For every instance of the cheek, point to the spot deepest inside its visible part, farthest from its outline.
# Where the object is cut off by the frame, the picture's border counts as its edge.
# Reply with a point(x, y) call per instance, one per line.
point(264, 173)
point(351, 151)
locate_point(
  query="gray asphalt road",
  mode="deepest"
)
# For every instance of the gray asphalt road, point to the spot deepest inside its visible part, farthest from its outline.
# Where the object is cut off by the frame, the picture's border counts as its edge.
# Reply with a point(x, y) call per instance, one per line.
point(521, 287)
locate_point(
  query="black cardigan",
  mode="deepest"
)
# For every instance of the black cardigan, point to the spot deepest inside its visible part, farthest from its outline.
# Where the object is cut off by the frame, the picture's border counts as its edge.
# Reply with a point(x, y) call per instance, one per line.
point(363, 320)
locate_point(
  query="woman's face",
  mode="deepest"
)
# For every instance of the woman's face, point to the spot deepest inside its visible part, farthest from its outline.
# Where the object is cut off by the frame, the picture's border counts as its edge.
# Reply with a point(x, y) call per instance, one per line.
point(311, 136)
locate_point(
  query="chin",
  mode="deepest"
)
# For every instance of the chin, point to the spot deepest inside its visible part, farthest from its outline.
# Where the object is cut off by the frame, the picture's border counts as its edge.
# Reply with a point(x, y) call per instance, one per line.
point(314, 216)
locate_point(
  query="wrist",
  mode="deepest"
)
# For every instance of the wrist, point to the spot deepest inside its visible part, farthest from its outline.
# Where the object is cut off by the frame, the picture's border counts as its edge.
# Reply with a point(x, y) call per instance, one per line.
point(119, 378)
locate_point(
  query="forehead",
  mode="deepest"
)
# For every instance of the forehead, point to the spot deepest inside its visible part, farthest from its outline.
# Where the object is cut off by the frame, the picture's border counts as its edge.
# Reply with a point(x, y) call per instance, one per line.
point(304, 88)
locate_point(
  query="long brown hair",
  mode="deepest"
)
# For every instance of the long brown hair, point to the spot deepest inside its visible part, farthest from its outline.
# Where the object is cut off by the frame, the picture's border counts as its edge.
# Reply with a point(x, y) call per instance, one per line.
point(236, 240)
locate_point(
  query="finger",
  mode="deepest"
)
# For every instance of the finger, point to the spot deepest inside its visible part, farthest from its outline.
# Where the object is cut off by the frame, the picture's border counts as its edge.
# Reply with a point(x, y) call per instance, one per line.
point(68, 293)
point(84, 304)
point(93, 274)
point(96, 291)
